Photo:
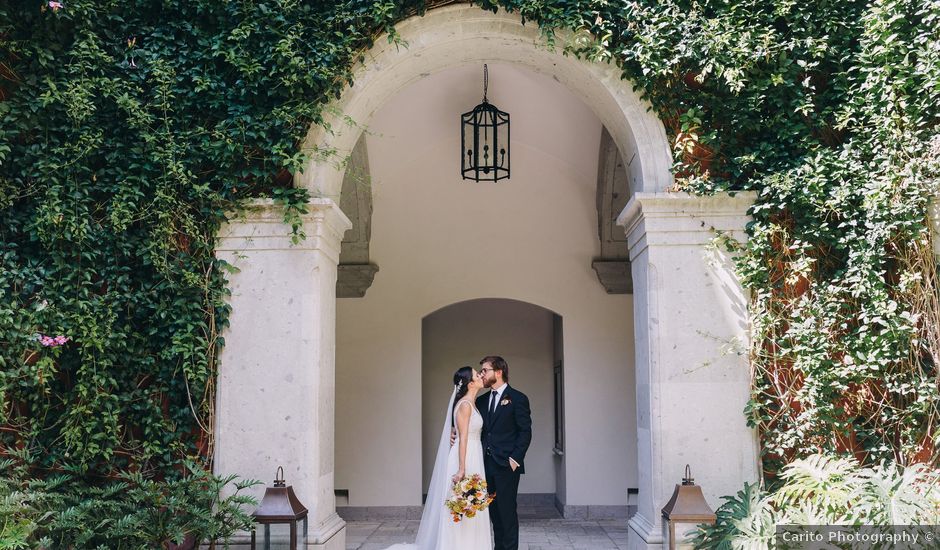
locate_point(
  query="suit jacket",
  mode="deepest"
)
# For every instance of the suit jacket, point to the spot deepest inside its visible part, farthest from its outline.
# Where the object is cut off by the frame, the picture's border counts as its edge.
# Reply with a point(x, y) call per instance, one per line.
point(508, 433)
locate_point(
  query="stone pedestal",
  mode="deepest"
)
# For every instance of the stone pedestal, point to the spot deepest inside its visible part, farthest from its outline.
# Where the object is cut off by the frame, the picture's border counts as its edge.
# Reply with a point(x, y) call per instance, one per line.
point(692, 373)
point(276, 392)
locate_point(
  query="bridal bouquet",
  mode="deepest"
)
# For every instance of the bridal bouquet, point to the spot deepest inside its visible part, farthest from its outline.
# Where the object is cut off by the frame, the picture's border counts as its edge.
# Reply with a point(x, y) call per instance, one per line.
point(470, 498)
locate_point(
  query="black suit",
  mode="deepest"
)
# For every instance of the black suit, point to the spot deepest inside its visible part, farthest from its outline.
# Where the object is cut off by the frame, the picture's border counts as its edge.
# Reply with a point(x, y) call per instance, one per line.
point(506, 434)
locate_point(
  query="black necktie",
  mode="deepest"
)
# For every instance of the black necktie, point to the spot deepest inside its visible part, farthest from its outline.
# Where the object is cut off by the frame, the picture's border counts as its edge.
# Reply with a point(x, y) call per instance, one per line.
point(493, 403)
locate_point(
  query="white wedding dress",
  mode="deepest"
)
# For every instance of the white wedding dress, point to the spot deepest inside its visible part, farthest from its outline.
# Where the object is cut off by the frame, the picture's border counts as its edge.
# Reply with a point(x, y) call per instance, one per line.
point(438, 530)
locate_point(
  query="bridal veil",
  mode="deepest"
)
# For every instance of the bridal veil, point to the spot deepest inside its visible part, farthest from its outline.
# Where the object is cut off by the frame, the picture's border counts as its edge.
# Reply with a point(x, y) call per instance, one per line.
point(433, 515)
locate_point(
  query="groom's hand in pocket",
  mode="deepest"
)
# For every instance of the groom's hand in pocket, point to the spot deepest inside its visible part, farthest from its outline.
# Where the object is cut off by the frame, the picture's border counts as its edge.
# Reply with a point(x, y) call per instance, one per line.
point(453, 436)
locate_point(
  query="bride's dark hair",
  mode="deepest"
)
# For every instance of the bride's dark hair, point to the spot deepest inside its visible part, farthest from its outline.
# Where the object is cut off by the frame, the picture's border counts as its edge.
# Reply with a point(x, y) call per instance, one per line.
point(462, 379)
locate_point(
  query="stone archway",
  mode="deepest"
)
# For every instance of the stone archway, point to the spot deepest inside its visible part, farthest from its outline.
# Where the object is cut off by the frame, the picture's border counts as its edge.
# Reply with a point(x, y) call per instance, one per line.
point(276, 388)
point(459, 35)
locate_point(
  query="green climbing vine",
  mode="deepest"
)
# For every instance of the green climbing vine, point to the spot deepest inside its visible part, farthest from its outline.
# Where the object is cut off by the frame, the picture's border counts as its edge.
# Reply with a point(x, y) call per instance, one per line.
point(129, 129)
point(830, 112)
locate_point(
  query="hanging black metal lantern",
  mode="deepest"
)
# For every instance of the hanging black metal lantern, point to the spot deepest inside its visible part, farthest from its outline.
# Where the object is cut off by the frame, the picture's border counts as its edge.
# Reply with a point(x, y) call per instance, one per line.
point(484, 141)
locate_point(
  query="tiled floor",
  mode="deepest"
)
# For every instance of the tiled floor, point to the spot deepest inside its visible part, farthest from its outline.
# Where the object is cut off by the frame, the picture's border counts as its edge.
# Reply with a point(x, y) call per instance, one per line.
point(534, 534)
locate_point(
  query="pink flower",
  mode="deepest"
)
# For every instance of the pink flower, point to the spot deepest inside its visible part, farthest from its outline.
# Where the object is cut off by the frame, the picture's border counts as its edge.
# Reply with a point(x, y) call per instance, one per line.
point(54, 5)
point(49, 341)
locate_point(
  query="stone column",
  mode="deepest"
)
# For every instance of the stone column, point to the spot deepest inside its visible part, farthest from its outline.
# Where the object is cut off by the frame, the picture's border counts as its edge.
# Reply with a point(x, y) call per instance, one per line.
point(692, 372)
point(276, 392)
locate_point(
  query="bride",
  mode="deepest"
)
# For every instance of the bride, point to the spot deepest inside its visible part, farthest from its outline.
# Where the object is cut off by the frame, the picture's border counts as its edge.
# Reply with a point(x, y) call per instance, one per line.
point(465, 458)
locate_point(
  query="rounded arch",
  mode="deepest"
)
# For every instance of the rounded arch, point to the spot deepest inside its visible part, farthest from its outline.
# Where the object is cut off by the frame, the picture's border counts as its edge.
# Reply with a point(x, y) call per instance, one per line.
point(458, 35)
point(438, 308)
point(529, 337)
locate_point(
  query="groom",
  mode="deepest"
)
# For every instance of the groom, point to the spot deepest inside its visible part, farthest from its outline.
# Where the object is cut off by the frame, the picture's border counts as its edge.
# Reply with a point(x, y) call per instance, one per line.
point(507, 432)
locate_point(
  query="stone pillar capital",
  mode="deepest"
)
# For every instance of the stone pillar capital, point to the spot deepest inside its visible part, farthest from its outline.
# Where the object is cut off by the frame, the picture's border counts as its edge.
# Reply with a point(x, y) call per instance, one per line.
point(261, 226)
point(682, 219)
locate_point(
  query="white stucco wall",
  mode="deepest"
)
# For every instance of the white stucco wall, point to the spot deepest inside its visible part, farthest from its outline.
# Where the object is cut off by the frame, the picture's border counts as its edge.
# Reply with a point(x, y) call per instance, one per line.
point(464, 333)
point(439, 240)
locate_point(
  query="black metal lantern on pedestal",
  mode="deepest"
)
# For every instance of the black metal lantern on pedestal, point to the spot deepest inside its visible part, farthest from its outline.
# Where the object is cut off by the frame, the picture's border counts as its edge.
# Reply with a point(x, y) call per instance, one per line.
point(280, 505)
point(484, 141)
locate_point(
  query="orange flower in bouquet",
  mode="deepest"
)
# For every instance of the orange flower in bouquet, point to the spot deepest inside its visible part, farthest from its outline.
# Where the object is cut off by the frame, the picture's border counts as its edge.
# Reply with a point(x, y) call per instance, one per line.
point(469, 498)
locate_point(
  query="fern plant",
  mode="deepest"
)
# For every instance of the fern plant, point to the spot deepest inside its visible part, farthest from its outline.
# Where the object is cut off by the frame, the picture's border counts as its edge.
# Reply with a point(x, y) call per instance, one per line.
point(19, 513)
point(824, 490)
point(65, 511)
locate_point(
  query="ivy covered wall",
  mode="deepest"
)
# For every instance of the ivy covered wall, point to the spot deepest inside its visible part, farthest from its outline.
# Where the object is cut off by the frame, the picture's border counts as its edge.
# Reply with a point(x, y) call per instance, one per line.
point(128, 129)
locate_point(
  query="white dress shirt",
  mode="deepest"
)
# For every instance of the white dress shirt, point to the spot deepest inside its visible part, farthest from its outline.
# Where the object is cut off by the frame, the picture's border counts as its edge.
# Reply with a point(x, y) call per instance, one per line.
point(499, 396)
